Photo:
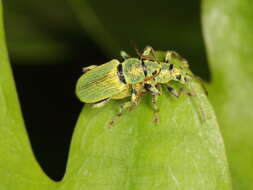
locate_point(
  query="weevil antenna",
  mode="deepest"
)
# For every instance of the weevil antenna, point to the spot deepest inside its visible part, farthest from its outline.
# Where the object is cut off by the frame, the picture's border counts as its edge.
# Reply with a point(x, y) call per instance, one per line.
point(134, 44)
point(153, 54)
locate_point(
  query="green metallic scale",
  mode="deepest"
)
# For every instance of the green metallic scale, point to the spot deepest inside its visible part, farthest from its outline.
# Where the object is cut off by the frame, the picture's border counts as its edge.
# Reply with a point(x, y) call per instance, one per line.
point(100, 83)
point(133, 77)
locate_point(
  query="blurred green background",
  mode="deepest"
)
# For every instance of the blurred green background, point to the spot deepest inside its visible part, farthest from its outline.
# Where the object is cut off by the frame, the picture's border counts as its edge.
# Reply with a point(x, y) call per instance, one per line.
point(50, 41)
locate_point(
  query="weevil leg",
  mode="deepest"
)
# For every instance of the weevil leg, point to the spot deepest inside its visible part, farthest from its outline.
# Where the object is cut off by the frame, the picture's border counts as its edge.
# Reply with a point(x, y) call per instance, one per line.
point(167, 57)
point(148, 54)
point(179, 91)
point(124, 55)
point(135, 97)
point(172, 91)
point(100, 103)
point(156, 109)
point(122, 108)
point(152, 89)
point(149, 51)
point(86, 69)
point(160, 89)
point(170, 54)
point(155, 93)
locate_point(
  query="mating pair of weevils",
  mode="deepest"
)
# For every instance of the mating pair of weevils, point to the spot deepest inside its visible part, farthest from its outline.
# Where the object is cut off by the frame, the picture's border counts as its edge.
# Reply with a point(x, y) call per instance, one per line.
point(133, 77)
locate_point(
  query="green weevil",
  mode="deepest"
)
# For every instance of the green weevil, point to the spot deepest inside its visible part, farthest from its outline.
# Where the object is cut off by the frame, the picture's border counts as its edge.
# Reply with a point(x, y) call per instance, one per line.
point(115, 80)
point(133, 77)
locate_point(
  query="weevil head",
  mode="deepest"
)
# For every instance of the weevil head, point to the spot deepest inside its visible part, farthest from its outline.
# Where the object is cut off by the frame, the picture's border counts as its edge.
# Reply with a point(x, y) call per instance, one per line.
point(177, 74)
point(179, 69)
point(181, 74)
point(172, 72)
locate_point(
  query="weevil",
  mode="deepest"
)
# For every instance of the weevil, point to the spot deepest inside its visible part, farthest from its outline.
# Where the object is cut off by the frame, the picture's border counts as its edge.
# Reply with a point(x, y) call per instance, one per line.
point(115, 80)
point(133, 77)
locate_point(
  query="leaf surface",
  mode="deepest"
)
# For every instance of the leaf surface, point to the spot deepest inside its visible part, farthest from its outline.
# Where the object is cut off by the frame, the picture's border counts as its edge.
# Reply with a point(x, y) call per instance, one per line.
point(228, 28)
point(185, 151)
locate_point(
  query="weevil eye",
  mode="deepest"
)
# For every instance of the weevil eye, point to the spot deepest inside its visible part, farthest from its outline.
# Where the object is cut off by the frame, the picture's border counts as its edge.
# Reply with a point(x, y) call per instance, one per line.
point(178, 77)
point(154, 73)
point(171, 67)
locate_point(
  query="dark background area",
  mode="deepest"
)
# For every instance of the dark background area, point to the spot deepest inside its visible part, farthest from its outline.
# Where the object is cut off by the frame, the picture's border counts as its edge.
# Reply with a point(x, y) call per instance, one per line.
point(49, 43)
point(50, 108)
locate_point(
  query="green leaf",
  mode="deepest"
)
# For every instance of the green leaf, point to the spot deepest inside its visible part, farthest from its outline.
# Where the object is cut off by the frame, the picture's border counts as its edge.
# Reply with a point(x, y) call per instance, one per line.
point(185, 151)
point(18, 168)
point(228, 29)
point(182, 152)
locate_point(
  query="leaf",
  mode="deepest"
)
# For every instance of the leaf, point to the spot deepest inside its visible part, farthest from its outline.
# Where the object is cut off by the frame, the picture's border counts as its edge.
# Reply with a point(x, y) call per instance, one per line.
point(18, 168)
point(228, 28)
point(185, 151)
